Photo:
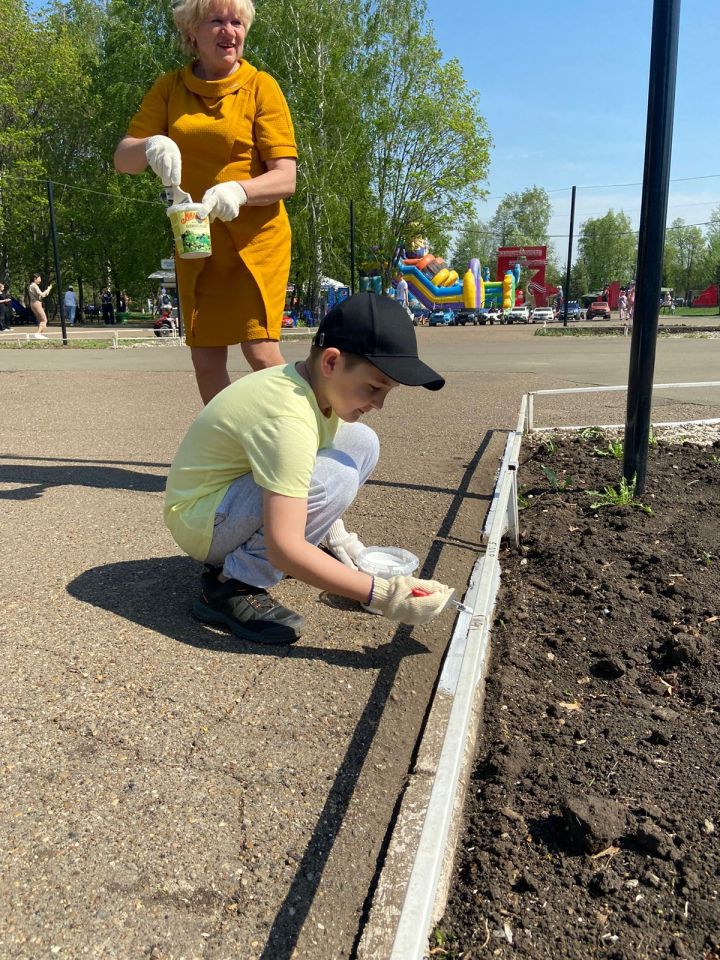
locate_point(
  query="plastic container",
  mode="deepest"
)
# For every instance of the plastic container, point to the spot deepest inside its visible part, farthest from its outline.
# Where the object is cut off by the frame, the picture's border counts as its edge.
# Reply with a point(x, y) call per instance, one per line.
point(192, 233)
point(386, 562)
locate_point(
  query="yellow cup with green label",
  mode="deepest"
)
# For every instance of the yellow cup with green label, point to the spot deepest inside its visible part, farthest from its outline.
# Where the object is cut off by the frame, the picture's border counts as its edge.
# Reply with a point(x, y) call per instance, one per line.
point(192, 233)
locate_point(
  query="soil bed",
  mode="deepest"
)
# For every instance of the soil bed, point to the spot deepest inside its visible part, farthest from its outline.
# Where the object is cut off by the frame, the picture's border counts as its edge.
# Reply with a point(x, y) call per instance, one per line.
point(592, 820)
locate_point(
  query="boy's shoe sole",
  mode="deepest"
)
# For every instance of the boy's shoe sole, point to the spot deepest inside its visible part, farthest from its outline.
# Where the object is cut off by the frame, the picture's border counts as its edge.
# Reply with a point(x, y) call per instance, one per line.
point(274, 635)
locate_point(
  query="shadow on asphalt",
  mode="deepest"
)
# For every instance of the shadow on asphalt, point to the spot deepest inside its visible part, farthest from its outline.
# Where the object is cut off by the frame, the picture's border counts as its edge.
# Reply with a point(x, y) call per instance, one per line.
point(155, 593)
point(37, 478)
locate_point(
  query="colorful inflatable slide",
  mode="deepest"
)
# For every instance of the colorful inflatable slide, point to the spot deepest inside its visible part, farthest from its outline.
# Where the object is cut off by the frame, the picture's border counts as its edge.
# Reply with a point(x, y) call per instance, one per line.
point(434, 284)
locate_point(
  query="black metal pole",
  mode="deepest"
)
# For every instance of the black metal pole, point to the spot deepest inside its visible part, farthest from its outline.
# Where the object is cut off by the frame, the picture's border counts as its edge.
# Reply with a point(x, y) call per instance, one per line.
point(651, 238)
point(569, 259)
point(352, 247)
point(56, 255)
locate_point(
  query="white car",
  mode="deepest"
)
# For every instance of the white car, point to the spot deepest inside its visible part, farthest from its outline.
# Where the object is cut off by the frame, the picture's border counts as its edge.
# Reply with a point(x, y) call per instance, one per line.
point(543, 315)
point(518, 315)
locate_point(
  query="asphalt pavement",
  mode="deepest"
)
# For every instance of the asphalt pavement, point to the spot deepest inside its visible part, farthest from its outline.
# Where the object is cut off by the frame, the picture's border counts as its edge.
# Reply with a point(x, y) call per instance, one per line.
point(168, 792)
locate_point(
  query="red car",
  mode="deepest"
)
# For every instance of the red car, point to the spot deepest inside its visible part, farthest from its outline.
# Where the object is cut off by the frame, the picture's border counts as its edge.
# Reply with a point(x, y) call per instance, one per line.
point(599, 309)
point(287, 320)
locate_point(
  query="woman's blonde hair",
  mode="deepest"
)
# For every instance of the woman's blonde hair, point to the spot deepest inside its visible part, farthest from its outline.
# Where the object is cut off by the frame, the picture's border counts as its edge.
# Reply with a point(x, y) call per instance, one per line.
point(187, 14)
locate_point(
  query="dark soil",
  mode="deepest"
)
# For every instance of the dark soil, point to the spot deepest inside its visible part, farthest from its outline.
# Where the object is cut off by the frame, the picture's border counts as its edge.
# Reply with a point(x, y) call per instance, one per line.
point(592, 817)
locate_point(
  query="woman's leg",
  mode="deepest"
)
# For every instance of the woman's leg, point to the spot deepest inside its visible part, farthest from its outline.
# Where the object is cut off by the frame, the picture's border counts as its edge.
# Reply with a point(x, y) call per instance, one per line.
point(40, 316)
point(262, 353)
point(211, 373)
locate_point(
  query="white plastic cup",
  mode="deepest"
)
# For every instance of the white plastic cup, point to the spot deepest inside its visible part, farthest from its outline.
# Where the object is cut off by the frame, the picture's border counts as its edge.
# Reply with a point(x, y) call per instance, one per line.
point(192, 233)
point(386, 562)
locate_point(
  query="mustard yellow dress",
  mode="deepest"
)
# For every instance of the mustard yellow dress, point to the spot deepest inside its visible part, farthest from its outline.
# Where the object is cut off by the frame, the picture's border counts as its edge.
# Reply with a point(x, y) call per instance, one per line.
point(226, 130)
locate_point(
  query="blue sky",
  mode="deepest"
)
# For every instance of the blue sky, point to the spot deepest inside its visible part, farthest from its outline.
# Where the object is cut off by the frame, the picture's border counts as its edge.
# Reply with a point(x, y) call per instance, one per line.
point(564, 87)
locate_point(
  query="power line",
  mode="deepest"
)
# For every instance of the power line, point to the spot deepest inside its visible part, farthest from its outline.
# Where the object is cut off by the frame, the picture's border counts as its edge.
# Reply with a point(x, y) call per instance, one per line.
point(604, 186)
point(70, 186)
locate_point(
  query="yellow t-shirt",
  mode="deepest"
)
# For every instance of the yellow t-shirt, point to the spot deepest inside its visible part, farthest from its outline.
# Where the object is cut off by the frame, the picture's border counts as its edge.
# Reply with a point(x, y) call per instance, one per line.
point(268, 424)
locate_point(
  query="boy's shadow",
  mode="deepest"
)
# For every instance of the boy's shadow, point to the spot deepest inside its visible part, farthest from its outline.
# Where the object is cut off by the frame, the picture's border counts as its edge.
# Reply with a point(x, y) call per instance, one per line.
point(157, 594)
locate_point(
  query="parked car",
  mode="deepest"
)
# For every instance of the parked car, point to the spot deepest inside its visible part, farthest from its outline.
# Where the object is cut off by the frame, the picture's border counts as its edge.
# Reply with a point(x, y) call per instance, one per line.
point(463, 317)
point(287, 319)
point(494, 315)
point(442, 318)
point(573, 311)
point(519, 314)
point(600, 309)
point(543, 315)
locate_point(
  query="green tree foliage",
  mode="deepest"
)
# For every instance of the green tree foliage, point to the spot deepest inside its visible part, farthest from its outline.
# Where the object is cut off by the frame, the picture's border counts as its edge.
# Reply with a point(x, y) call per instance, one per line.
point(607, 250)
point(366, 116)
point(522, 219)
point(685, 257)
point(475, 239)
point(711, 266)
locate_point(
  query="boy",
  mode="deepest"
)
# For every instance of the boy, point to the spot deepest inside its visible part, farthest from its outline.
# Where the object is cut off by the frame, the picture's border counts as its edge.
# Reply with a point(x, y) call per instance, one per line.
point(267, 470)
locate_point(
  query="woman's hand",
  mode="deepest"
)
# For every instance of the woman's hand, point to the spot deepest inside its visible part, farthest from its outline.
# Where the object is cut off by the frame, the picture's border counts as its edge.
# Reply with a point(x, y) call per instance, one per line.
point(163, 157)
point(223, 201)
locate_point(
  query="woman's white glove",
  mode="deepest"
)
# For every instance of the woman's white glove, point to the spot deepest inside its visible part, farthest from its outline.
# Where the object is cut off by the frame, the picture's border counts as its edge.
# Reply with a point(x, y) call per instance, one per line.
point(163, 157)
point(223, 201)
point(394, 599)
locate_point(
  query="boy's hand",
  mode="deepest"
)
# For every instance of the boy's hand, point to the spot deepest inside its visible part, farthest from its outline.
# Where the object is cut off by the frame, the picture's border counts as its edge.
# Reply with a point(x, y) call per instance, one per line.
point(346, 549)
point(394, 598)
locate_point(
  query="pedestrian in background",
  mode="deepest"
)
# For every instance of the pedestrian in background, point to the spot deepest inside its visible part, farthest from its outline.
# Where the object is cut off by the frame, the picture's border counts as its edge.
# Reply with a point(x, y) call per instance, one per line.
point(622, 305)
point(106, 305)
point(6, 312)
point(70, 303)
point(35, 300)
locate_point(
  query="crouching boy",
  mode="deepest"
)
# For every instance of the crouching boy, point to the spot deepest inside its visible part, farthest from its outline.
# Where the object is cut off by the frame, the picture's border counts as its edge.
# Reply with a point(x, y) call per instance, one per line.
point(269, 467)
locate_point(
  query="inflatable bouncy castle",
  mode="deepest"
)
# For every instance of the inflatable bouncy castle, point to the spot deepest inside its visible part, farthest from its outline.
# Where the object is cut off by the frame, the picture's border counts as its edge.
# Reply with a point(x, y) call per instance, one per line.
point(434, 284)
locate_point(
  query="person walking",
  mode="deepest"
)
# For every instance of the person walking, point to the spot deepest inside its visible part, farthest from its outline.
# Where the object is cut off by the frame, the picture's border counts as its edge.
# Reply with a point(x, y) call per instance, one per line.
point(6, 312)
point(36, 297)
point(221, 130)
point(107, 307)
point(70, 303)
point(622, 305)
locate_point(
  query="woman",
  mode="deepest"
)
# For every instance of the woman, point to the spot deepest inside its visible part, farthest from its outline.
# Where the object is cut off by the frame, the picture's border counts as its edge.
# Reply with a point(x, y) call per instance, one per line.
point(222, 130)
point(36, 296)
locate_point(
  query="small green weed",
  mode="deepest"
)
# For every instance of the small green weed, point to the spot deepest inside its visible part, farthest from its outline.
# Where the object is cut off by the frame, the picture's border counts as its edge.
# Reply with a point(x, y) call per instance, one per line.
point(590, 433)
point(652, 439)
point(614, 449)
point(707, 558)
point(714, 459)
point(445, 944)
point(552, 478)
point(621, 497)
point(547, 445)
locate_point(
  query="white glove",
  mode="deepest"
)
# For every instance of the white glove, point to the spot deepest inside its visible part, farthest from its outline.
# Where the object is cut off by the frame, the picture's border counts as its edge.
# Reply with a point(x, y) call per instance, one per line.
point(163, 157)
point(223, 201)
point(344, 546)
point(395, 600)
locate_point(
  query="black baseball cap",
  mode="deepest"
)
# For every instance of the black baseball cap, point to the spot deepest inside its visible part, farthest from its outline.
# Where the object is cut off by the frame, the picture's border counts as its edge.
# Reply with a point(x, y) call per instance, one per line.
point(378, 329)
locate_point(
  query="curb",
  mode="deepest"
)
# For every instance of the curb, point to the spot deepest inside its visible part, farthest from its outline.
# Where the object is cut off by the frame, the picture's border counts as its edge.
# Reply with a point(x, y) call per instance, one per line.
point(413, 883)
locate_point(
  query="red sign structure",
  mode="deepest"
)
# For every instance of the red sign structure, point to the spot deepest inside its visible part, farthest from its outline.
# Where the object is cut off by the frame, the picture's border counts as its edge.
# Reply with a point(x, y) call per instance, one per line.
point(533, 260)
